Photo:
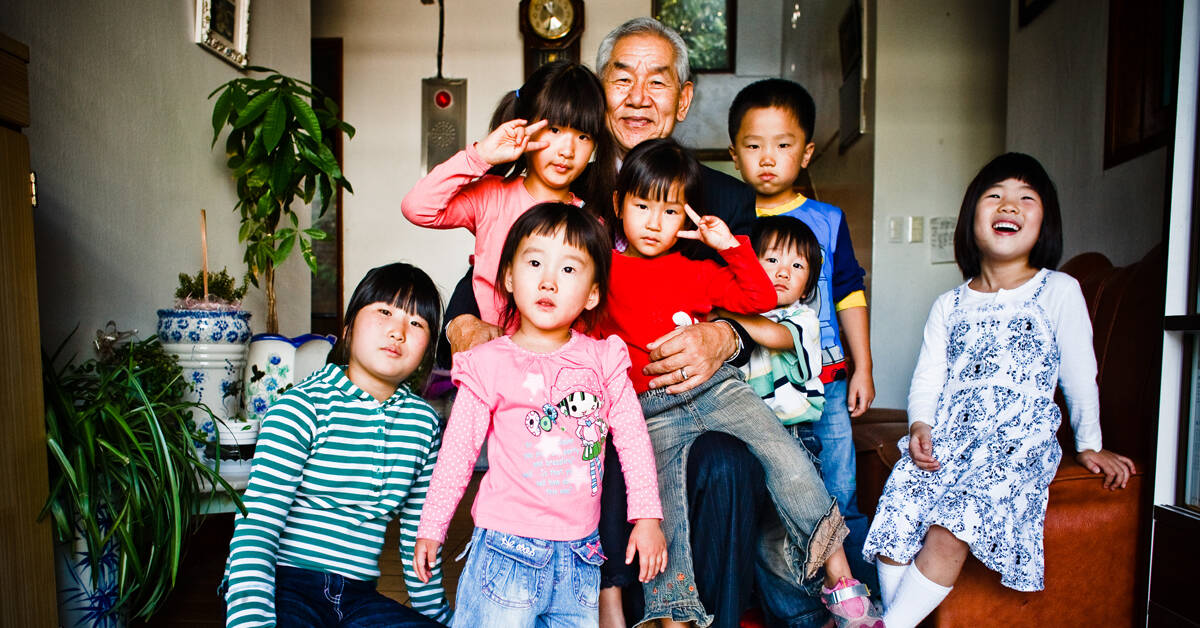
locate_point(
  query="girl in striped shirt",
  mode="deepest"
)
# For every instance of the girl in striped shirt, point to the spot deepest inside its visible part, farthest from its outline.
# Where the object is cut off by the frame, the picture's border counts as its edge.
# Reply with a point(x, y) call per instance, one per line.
point(339, 456)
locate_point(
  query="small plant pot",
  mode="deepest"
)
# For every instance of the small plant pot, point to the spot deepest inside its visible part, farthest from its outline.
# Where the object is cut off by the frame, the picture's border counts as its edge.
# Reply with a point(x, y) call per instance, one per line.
point(236, 439)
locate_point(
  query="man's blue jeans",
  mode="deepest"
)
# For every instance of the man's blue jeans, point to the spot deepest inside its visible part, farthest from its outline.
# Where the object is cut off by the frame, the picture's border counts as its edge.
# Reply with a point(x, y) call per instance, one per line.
point(307, 599)
point(785, 603)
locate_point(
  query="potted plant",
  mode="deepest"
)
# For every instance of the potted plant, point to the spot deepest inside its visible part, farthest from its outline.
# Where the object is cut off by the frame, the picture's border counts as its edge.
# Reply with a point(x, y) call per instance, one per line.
point(207, 331)
point(125, 483)
point(279, 149)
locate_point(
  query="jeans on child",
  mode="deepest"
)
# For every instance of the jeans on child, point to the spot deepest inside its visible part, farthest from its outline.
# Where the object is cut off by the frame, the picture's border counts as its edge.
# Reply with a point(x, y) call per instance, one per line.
point(838, 465)
point(725, 403)
point(784, 602)
point(306, 598)
point(512, 580)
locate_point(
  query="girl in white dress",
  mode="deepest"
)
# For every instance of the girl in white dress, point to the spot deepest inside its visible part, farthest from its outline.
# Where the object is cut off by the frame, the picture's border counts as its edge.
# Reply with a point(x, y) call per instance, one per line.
point(981, 448)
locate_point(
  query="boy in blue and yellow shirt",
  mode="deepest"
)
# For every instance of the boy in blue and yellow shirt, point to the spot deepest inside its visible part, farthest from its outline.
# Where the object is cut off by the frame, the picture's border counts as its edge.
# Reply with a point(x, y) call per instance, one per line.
point(770, 127)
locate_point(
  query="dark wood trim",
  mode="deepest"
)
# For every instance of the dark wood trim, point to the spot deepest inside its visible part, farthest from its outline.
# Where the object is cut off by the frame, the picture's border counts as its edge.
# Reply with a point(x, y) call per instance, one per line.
point(328, 62)
point(1183, 322)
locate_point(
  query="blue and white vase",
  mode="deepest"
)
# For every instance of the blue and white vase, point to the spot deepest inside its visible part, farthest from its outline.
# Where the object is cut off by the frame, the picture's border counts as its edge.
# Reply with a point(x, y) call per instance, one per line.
point(83, 603)
point(211, 347)
point(275, 363)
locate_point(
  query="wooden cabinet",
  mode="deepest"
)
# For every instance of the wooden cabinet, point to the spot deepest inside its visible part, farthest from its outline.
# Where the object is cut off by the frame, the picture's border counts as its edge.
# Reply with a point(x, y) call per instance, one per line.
point(26, 550)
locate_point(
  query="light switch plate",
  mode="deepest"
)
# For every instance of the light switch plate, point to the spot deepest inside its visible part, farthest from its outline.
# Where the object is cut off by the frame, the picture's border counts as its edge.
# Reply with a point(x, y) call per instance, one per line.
point(896, 229)
point(916, 228)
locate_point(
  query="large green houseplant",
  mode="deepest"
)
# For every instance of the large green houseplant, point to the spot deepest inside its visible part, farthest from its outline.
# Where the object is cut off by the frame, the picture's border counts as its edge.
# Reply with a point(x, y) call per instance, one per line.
point(279, 148)
point(124, 477)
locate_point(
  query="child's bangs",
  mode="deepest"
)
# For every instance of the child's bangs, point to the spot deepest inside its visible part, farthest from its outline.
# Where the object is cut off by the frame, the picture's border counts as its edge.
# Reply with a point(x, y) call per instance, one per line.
point(656, 184)
point(414, 299)
point(779, 240)
point(1019, 167)
point(573, 105)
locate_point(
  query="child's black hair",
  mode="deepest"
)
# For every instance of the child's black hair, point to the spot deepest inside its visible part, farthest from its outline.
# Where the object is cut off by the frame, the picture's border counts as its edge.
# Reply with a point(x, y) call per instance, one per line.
point(789, 96)
point(400, 285)
point(1047, 251)
point(564, 94)
point(651, 169)
point(580, 228)
point(790, 233)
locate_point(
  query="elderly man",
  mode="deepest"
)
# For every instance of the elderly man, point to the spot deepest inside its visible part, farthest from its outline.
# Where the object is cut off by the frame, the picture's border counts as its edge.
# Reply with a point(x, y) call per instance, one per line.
point(643, 66)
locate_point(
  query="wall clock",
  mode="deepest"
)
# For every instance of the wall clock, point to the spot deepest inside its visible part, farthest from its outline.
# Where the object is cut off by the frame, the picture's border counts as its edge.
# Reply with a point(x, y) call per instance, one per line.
point(551, 31)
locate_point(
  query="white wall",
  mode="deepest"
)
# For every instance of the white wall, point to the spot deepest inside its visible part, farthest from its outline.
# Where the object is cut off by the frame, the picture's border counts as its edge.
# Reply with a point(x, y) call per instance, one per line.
point(120, 142)
point(389, 46)
point(1056, 106)
point(757, 55)
point(939, 116)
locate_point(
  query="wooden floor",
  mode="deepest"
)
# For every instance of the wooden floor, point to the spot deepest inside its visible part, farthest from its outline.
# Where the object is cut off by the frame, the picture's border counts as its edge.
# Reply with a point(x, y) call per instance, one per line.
point(195, 602)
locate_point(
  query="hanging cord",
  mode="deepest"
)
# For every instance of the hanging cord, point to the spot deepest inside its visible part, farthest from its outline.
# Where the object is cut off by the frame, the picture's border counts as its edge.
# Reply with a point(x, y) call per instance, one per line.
point(441, 34)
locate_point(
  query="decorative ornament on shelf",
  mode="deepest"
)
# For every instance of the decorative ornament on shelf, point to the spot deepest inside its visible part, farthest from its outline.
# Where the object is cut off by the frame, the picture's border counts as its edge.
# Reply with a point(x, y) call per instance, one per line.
point(275, 363)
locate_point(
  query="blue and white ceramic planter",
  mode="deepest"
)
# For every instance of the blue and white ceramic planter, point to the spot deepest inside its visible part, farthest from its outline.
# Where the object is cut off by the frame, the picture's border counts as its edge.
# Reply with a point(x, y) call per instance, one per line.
point(82, 604)
point(274, 363)
point(203, 326)
point(211, 347)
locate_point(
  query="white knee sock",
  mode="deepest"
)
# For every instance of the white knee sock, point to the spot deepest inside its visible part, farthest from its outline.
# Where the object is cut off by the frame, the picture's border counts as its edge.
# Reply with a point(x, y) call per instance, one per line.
point(889, 581)
point(915, 598)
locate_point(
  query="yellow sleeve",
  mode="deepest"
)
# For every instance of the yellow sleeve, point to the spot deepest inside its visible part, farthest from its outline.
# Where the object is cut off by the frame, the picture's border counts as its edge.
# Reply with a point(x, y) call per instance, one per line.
point(858, 298)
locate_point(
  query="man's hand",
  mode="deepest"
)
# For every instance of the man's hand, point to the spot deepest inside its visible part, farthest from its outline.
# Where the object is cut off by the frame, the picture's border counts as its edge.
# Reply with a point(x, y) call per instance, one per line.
point(425, 558)
point(920, 446)
point(1115, 467)
point(647, 541)
point(466, 331)
point(860, 392)
point(687, 356)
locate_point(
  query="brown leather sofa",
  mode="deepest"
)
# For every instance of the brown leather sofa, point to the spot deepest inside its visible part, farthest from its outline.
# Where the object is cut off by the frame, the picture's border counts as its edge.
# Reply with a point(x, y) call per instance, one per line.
point(1095, 540)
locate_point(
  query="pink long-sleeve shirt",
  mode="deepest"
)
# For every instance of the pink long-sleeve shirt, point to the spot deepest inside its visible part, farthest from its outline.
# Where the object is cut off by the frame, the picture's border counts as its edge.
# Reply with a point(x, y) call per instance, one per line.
point(545, 417)
point(456, 193)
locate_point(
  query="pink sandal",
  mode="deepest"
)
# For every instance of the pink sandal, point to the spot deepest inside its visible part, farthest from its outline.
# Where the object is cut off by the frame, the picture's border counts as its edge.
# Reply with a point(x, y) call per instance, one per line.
point(850, 604)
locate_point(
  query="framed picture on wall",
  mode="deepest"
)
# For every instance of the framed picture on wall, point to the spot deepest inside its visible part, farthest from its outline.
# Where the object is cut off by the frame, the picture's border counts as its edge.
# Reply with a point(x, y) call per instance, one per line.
point(223, 28)
point(709, 27)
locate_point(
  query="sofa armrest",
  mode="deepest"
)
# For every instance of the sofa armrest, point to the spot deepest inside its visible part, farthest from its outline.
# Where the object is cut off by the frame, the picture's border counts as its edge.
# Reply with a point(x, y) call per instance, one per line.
point(875, 436)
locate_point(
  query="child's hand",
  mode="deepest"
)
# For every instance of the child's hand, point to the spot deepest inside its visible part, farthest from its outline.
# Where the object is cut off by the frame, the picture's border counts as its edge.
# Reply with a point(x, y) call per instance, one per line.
point(647, 540)
point(509, 141)
point(860, 392)
point(1115, 467)
point(712, 231)
point(425, 557)
point(920, 446)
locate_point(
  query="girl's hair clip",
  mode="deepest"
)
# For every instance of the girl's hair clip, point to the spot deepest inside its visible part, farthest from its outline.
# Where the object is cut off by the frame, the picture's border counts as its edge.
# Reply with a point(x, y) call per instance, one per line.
point(517, 93)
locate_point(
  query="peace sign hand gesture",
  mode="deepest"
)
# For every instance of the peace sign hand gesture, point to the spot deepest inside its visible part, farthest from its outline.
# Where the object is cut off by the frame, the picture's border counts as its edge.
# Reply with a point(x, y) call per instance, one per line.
point(510, 140)
point(712, 231)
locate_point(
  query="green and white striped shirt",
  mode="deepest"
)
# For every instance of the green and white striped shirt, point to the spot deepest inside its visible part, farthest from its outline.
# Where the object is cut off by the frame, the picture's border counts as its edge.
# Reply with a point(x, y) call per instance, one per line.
point(332, 467)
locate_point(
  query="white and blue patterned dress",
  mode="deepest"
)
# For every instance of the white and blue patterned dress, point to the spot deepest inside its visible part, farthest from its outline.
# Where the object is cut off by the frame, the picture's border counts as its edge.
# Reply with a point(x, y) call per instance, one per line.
point(994, 422)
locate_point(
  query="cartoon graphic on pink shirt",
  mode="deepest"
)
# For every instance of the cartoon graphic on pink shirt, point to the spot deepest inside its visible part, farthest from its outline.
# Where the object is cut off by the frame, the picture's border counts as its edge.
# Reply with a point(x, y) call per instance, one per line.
point(578, 394)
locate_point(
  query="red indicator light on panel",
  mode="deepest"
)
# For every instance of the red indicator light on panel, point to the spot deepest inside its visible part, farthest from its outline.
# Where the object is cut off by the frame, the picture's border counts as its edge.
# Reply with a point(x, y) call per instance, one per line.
point(442, 99)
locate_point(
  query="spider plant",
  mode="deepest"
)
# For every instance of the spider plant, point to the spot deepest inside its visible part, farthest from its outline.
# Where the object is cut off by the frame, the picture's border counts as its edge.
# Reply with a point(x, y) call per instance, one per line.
point(123, 472)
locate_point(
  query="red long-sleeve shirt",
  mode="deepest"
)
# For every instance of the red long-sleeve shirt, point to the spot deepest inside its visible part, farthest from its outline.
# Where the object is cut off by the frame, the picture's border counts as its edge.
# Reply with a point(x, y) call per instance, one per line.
point(644, 294)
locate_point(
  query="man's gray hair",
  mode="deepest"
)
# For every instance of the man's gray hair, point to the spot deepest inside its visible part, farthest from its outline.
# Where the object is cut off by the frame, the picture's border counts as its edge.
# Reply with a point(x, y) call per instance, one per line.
point(645, 26)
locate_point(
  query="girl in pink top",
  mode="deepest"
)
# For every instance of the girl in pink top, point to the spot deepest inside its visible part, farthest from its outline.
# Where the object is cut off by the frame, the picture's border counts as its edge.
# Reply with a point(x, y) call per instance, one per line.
point(551, 127)
point(545, 398)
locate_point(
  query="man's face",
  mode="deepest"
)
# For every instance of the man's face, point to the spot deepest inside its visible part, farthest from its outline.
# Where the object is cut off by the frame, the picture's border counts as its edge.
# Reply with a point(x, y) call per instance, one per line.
point(645, 96)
